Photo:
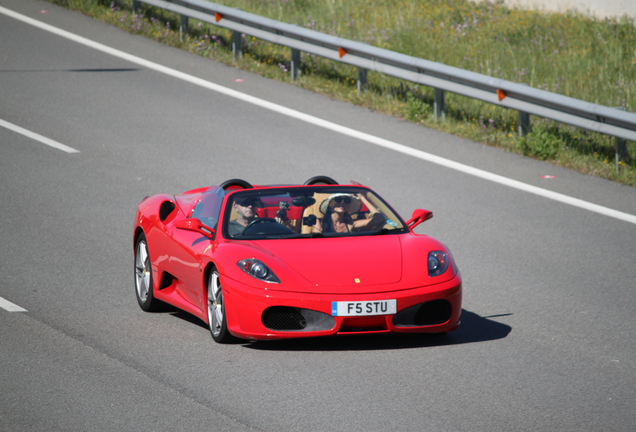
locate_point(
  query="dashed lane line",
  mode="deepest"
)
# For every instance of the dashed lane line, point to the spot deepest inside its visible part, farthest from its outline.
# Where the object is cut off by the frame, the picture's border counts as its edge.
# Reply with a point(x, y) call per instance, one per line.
point(37, 137)
point(10, 307)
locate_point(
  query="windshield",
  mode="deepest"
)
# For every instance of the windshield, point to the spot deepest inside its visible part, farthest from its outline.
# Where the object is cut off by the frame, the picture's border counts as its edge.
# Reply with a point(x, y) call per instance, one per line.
point(308, 211)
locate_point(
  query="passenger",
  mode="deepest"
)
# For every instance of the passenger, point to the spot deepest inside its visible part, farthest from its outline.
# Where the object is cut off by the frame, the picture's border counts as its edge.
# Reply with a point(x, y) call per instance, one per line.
point(338, 209)
point(246, 210)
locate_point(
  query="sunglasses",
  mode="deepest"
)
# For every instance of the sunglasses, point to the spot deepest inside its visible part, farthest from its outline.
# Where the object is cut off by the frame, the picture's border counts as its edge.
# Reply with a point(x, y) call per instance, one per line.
point(246, 202)
point(346, 200)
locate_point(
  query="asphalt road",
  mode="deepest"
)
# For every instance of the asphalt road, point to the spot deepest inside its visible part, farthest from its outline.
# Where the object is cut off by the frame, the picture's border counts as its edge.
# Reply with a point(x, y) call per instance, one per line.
point(546, 341)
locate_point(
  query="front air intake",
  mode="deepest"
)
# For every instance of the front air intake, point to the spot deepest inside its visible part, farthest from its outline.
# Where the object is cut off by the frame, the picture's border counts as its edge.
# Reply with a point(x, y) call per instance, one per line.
point(284, 318)
point(434, 312)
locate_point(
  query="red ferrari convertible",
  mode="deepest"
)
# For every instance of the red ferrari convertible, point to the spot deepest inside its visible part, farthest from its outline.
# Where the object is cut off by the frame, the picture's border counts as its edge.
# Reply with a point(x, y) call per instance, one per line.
point(273, 262)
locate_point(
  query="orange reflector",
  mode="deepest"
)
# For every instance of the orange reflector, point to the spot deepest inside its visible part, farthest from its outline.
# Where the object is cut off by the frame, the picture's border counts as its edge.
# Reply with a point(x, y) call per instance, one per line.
point(341, 51)
point(218, 16)
point(501, 94)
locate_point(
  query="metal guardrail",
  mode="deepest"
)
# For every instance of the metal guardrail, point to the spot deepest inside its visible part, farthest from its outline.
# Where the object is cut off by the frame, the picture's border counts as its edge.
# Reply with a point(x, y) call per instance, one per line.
point(520, 97)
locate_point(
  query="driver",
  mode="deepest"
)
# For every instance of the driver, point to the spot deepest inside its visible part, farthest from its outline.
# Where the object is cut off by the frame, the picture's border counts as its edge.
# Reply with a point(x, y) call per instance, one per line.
point(246, 210)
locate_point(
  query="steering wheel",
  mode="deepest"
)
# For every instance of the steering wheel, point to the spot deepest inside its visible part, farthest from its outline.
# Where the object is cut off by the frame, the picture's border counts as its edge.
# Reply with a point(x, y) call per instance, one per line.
point(259, 220)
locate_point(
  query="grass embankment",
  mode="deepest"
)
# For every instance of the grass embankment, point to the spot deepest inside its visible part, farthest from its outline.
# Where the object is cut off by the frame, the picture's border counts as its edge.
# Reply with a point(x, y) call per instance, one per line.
point(586, 58)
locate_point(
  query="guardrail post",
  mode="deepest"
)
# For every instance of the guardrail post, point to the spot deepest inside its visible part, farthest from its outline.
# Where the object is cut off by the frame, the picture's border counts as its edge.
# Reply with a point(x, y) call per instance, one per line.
point(237, 45)
point(183, 27)
point(438, 105)
point(621, 150)
point(295, 64)
point(524, 121)
point(621, 147)
point(362, 80)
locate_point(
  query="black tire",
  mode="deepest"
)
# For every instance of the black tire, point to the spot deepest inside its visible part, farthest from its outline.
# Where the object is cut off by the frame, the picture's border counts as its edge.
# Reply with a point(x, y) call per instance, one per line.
point(321, 179)
point(143, 276)
point(217, 321)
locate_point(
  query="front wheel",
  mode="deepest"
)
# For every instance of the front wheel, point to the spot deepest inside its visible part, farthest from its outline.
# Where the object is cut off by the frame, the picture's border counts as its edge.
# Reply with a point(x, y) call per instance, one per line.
point(216, 310)
point(143, 276)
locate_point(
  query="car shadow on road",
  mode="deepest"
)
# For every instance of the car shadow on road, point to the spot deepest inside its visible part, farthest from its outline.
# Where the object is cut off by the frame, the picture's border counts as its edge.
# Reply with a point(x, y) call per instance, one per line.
point(473, 328)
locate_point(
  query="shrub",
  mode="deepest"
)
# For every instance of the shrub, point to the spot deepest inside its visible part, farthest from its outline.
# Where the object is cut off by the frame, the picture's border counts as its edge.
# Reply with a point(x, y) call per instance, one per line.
point(416, 109)
point(540, 143)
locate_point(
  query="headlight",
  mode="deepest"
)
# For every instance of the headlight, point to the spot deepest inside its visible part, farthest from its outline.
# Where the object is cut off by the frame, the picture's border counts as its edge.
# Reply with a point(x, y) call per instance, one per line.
point(437, 263)
point(257, 269)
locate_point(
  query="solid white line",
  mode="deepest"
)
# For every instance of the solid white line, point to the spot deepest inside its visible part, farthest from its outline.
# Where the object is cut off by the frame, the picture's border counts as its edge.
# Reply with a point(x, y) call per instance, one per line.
point(8, 306)
point(37, 137)
point(329, 125)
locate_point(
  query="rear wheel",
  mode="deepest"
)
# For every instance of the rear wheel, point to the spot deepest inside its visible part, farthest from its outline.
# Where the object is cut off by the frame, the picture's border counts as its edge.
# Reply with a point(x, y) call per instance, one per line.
point(143, 276)
point(321, 180)
point(217, 320)
point(235, 183)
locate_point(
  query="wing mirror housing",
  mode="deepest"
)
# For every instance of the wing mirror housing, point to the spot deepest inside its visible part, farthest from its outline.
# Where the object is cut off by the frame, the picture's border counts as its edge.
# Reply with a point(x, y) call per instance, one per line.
point(193, 224)
point(419, 216)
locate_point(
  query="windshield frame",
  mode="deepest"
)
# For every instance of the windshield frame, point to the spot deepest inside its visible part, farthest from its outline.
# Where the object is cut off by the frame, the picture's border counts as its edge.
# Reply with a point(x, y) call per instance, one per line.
point(396, 223)
point(212, 201)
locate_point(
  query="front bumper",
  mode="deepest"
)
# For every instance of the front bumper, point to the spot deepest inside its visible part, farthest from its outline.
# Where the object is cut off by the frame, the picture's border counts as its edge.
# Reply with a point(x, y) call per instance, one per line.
point(430, 309)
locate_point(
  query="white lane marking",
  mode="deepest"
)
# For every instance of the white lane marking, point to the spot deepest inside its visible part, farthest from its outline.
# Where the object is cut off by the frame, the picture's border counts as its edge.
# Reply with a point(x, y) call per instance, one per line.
point(329, 125)
point(37, 137)
point(8, 306)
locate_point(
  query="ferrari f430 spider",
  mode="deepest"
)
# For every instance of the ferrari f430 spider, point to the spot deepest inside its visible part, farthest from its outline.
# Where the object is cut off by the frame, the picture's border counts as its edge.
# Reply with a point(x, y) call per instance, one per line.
point(274, 262)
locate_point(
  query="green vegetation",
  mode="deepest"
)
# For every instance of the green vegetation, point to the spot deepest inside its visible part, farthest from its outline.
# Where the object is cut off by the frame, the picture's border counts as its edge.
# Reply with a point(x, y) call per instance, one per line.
point(571, 54)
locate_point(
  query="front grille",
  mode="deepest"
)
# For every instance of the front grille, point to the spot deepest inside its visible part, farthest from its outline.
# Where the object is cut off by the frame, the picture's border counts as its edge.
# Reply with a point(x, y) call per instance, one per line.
point(363, 324)
point(362, 329)
point(284, 318)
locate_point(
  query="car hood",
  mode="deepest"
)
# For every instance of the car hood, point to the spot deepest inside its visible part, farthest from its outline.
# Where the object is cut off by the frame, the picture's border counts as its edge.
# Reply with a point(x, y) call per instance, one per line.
point(360, 263)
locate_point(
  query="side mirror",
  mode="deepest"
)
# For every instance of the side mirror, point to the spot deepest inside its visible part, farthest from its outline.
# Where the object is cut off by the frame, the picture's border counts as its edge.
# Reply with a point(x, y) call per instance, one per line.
point(193, 224)
point(418, 217)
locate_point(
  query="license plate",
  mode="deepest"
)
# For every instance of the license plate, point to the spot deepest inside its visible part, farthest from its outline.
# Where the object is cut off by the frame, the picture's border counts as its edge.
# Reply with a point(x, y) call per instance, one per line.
point(364, 308)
